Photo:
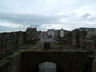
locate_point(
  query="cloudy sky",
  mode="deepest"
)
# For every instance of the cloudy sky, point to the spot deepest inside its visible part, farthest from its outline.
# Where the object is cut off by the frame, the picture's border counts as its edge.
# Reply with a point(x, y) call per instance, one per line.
point(47, 14)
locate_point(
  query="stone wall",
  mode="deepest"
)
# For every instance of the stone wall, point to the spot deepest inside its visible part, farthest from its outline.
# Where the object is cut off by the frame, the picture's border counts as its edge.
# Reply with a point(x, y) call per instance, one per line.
point(13, 64)
point(65, 61)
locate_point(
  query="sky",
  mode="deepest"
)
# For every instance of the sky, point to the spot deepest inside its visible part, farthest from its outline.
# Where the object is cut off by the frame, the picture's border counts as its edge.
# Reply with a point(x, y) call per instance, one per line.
point(17, 15)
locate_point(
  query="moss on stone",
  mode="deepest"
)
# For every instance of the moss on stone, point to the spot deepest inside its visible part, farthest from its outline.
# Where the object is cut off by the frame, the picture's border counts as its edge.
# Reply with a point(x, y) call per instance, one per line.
point(3, 62)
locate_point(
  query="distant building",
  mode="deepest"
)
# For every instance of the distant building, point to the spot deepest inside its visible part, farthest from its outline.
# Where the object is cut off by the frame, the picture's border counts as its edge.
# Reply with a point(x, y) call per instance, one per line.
point(82, 37)
point(68, 37)
point(78, 38)
point(61, 33)
point(51, 33)
point(31, 35)
point(90, 31)
point(43, 35)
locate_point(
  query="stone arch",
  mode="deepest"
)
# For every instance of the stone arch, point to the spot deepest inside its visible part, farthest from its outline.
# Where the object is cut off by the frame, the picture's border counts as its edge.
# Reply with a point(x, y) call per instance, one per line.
point(47, 67)
point(58, 66)
point(65, 61)
point(41, 61)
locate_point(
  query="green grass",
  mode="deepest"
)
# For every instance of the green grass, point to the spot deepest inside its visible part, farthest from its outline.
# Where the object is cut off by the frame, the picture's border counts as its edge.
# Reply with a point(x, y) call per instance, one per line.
point(4, 61)
point(14, 54)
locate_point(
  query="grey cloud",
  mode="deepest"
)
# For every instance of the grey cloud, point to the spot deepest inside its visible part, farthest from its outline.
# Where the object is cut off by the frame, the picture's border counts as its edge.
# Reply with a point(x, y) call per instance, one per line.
point(6, 29)
point(86, 15)
point(92, 19)
point(2, 28)
point(33, 20)
point(41, 19)
point(30, 19)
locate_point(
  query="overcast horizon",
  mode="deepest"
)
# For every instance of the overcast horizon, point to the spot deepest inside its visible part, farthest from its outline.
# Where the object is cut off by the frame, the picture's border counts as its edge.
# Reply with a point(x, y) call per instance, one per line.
point(17, 15)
